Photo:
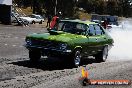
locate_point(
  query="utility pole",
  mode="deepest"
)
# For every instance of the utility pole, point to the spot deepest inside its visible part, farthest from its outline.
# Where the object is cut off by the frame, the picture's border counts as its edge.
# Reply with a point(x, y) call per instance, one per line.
point(76, 1)
point(34, 6)
point(55, 7)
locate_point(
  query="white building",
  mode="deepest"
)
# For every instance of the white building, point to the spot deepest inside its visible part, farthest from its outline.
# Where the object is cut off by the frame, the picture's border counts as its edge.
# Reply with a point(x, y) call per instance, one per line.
point(6, 2)
point(5, 11)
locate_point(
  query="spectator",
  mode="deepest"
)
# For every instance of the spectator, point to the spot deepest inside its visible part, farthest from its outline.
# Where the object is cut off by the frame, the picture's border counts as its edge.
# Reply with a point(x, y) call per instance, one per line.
point(49, 20)
point(54, 22)
point(104, 24)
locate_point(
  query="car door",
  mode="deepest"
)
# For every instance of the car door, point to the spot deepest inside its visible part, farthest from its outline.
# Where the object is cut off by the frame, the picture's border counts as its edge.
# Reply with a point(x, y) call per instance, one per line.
point(37, 18)
point(33, 18)
point(100, 36)
point(83, 41)
point(93, 40)
point(79, 29)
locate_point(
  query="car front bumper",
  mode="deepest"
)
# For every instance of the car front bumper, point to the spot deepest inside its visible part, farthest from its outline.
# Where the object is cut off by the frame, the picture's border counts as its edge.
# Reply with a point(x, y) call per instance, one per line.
point(50, 51)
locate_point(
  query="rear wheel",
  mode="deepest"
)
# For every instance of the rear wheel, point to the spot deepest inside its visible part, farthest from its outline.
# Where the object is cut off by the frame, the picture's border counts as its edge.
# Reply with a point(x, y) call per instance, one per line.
point(34, 55)
point(102, 56)
point(41, 22)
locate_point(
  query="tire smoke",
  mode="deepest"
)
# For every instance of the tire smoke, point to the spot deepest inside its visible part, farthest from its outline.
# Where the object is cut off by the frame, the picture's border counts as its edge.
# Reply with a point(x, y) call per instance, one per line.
point(122, 35)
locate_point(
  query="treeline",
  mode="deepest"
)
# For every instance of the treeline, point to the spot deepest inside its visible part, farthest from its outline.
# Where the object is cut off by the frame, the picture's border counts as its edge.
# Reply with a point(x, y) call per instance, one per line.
point(112, 7)
point(69, 7)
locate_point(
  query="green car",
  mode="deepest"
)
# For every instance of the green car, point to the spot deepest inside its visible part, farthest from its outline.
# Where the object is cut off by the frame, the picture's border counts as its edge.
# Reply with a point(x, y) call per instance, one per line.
point(70, 39)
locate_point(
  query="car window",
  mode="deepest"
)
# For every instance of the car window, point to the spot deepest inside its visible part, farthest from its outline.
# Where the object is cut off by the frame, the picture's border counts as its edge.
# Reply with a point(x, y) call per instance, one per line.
point(74, 28)
point(85, 27)
point(68, 27)
point(41, 17)
point(91, 30)
point(32, 16)
point(60, 25)
point(37, 17)
point(98, 30)
point(81, 28)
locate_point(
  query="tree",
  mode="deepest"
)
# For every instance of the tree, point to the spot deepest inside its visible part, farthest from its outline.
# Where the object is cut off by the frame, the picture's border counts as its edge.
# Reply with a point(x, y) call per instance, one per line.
point(111, 7)
point(68, 7)
point(125, 7)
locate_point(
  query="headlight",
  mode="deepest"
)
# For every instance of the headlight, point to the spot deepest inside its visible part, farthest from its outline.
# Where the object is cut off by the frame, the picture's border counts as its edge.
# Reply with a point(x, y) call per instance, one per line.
point(29, 42)
point(63, 46)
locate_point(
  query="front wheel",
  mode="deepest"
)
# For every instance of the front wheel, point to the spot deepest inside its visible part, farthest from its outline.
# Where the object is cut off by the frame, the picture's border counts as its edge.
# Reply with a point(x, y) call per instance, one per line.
point(34, 55)
point(76, 58)
point(102, 56)
point(26, 22)
point(33, 22)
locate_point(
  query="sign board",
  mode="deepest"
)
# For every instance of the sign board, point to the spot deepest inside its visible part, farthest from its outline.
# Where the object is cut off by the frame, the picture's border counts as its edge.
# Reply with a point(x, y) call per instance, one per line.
point(6, 2)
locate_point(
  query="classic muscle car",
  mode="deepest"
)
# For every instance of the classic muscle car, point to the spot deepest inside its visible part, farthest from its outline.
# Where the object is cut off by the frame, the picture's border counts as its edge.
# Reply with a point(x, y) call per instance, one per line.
point(70, 39)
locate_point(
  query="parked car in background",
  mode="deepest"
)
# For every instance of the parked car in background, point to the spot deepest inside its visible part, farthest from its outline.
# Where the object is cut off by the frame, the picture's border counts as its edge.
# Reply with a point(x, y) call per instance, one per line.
point(71, 39)
point(16, 18)
point(38, 18)
point(112, 20)
point(32, 19)
point(28, 19)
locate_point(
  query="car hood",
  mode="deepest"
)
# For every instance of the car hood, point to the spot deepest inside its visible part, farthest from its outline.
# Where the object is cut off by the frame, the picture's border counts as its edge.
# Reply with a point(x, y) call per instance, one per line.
point(55, 36)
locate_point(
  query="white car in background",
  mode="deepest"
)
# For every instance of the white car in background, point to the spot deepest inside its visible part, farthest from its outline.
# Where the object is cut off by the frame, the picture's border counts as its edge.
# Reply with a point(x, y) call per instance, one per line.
point(38, 18)
point(32, 19)
point(28, 19)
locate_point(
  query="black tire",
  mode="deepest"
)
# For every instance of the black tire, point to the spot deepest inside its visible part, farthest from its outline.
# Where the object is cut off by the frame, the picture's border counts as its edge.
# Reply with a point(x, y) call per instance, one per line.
point(33, 22)
point(26, 22)
point(34, 55)
point(41, 22)
point(102, 56)
point(76, 58)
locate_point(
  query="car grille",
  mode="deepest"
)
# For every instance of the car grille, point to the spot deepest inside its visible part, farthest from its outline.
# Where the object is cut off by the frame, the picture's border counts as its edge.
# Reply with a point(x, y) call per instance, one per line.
point(45, 43)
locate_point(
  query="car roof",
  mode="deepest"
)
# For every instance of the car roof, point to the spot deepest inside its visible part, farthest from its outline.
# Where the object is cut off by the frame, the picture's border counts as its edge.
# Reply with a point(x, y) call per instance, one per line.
point(87, 22)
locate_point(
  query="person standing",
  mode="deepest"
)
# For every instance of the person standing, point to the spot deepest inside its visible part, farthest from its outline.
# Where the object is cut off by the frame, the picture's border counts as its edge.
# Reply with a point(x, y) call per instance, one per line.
point(105, 24)
point(49, 20)
point(54, 22)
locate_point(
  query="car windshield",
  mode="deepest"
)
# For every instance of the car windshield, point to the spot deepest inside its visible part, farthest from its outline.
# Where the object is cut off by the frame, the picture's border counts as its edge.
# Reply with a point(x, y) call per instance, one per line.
point(39, 17)
point(36, 16)
point(72, 27)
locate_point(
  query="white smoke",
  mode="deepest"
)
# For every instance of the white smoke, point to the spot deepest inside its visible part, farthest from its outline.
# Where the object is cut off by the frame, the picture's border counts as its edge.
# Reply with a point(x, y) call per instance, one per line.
point(122, 35)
